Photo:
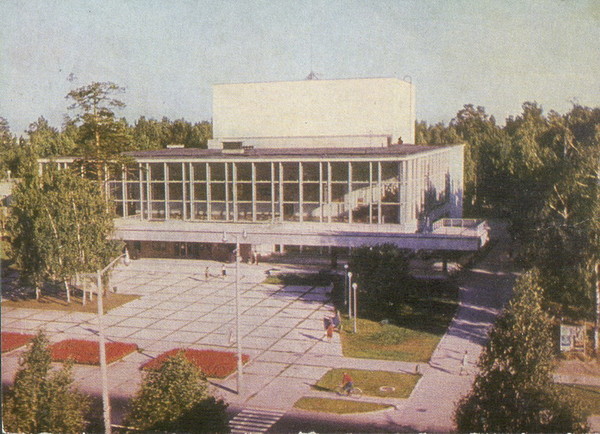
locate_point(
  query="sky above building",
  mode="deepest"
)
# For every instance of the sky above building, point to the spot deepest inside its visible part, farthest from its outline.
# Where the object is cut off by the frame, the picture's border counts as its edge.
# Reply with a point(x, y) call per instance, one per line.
point(169, 53)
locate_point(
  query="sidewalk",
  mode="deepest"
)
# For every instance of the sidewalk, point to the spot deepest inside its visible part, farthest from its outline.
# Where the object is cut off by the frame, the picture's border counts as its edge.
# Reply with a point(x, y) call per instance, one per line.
point(484, 291)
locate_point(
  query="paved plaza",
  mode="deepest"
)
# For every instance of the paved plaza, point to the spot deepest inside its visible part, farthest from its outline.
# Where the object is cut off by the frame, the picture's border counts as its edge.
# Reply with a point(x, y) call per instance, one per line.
point(180, 308)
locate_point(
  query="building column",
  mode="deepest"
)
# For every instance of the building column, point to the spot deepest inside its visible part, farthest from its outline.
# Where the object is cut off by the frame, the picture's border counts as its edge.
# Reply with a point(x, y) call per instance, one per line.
point(148, 191)
point(349, 200)
point(208, 193)
point(379, 193)
point(234, 190)
point(329, 204)
point(166, 186)
point(300, 193)
point(183, 194)
point(281, 215)
point(226, 176)
point(272, 192)
point(321, 207)
point(192, 192)
point(253, 166)
point(370, 192)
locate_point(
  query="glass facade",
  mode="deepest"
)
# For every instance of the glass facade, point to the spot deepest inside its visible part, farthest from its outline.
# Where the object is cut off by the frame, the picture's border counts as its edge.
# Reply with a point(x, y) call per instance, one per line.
point(405, 190)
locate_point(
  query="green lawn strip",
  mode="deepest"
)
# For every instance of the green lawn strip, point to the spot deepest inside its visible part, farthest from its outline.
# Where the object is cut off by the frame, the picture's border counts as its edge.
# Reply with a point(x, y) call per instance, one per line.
point(410, 333)
point(338, 406)
point(370, 382)
point(387, 342)
point(59, 302)
point(589, 395)
point(302, 279)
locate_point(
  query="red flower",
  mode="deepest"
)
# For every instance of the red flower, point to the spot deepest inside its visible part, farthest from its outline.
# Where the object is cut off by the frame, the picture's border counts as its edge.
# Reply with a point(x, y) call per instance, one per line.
point(88, 352)
point(216, 364)
point(10, 341)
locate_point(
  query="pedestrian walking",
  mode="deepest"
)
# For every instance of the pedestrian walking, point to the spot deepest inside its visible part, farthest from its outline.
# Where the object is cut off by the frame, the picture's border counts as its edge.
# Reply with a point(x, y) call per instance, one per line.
point(206, 273)
point(330, 332)
point(223, 271)
point(463, 365)
point(336, 320)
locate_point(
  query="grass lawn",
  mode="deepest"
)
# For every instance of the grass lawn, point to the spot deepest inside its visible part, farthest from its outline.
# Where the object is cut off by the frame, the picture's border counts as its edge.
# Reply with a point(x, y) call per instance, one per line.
point(337, 406)
point(370, 382)
point(412, 332)
point(301, 279)
point(57, 301)
point(589, 395)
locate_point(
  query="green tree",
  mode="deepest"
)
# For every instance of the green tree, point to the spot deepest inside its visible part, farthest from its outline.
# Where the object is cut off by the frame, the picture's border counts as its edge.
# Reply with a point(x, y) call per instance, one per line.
point(47, 141)
point(381, 273)
point(102, 137)
point(42, 400)
point(175, 398)
point(484, 162)
point(554, 198)
point(59, 226)
point(514, 391)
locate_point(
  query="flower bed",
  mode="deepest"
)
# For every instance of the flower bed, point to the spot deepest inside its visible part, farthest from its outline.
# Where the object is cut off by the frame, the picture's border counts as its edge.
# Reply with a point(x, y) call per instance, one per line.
point(215, 364)
point(11, 341)
point(88, 352)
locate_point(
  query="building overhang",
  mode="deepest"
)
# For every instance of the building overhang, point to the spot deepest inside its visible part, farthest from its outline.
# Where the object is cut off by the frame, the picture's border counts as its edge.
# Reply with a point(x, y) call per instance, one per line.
point(441, 238)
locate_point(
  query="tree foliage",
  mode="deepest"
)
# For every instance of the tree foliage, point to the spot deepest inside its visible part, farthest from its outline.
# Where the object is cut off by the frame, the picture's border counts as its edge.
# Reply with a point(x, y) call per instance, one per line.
point(59, 226)
point(542, 173)
point(381, 273)
point(514, 391)
point(42, 400)
point(175, 398)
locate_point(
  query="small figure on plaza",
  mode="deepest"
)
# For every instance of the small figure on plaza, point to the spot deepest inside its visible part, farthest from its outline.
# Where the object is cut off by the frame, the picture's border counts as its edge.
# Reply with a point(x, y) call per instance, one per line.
point(223, 271)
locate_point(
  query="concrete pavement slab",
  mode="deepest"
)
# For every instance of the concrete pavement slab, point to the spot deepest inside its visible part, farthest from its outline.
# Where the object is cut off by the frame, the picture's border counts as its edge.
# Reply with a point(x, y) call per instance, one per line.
point(268, 369)
point(137, 322)
point(149, 334)
point(309, 373)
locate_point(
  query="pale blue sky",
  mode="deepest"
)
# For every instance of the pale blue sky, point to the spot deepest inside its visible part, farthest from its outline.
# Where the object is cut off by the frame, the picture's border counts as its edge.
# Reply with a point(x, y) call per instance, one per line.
point(168, 53)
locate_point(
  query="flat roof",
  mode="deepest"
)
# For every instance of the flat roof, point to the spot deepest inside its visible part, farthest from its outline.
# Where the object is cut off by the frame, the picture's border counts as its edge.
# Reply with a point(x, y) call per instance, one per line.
point(389, 151)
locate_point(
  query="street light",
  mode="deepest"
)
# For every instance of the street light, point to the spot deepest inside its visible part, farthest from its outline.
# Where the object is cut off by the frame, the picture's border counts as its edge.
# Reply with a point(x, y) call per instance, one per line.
point(354, 286)
point(238, 338)
point(349, 294)
point(346, 285)
point(102, 342)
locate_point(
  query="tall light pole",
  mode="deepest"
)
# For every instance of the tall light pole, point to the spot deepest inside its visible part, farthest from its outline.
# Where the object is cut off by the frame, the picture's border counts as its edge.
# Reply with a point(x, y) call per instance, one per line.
point(238, 309)
point(349, 294)
point(346, 289)
point(102, 341)
point(354, 286)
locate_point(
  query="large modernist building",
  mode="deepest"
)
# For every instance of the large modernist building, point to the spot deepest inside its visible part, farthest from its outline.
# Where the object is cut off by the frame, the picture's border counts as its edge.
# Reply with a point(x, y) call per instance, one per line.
point(316, 163)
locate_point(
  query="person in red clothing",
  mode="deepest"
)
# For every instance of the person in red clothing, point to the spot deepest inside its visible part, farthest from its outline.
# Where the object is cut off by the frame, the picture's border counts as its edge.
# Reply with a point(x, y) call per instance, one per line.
point(347, 383)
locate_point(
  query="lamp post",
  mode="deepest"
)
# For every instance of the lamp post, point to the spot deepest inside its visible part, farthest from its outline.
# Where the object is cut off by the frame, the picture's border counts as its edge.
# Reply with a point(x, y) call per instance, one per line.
point(346, 285)
point(349, 294)
point(102, 342)
point(354, 286)
point(238, 338)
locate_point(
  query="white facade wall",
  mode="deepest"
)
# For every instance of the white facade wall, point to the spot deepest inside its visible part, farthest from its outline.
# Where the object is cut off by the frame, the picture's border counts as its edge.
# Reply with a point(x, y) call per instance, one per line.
point(363, 110)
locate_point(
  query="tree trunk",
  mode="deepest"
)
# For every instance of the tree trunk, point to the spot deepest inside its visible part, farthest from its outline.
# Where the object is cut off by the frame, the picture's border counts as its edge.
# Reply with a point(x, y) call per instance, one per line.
point(68, 291)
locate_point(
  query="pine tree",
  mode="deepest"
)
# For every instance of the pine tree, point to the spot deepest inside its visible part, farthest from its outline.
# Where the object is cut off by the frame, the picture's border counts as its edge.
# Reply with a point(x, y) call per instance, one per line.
point(175, 398)
point(514, 391)
point(42, 400)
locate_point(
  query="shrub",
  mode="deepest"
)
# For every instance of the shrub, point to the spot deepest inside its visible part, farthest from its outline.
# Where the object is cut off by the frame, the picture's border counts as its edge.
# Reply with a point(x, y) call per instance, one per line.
point(215, 364)
point(41, 400)
point(11, 341)
point(88, 352)
point(174, 398)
